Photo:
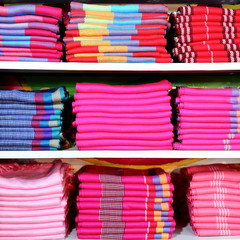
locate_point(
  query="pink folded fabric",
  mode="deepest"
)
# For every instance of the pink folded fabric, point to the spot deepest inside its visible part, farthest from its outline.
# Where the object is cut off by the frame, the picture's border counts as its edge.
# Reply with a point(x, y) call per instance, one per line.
point(128, 186)
point(211, 142)
point(95, 174)
point(215, 219)
point(208, 106)
point(217, 232)
point(121, 218)
point(14, 220)
point(214, 183)
point(178, 146)
point(126, 129)
point(96, 193)
point(122, 96)
point(123, 142)
point(123, 109)
point(126, 148)
point(207, 119)
point(184, 125)
point(125, 206)
point(215, 204)
point(125, 199)
point(145, 115)
point(199, 136)
point(122, 102)
point(163, 85)
point(209, 99)
point(207, 131)
point(125, 224)
point(130, 136)
point(207, 113)
point(216, 197)
point(207, 92)
point(119, 121)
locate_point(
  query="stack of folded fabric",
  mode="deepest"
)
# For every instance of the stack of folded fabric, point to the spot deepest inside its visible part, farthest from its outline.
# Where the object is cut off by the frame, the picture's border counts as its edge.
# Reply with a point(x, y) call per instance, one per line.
point(213, 199)
point(116, 203)
point(31, 120)
point(117, 33)
point(208, 119)
point(123, 117)
point(34, 200)
point(30, 33)
point(206, 34)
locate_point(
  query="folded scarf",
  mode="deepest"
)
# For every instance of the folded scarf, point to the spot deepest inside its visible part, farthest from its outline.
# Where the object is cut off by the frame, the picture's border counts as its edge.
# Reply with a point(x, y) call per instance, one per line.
point(49, 96)
point(28, 59)
point(28, 19)
point(163, 85)
point(206, 147)
point(114, 175)
point(54, 143)
point(115, 15)
point(199, 10)
point(129, 8)
point(105, 31)
point(117, 49)
point(26, 9)
point(216, 136)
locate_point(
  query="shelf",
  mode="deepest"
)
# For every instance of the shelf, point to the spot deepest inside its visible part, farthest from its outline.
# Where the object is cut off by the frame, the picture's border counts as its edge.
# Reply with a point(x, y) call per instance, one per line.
point(66, 67)
point(180, 234)
point(232, 2)
point(118, 154)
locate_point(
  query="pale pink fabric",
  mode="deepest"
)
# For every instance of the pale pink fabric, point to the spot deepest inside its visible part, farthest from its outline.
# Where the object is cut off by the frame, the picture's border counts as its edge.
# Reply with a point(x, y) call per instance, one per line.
point(205, 92)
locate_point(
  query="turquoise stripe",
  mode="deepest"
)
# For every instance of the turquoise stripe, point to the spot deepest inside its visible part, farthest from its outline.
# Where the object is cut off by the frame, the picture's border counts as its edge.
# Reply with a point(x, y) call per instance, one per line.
point(132, 8)
point(44, 143)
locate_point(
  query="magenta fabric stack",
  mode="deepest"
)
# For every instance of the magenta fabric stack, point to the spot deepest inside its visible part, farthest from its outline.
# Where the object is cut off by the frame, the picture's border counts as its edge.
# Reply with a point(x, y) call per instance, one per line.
point(123, 117)
point(208, 119)
point(206, 34)
point(34, 200)
point(213, 199)
point(116, 203)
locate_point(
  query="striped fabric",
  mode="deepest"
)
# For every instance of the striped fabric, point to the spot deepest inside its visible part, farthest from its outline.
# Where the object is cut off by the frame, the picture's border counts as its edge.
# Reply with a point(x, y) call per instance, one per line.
point(212, 198)
point(35, 200)
point(207, 119)
point(31, 120)
point(114, 30)
point(206, 34)
point(126, 205)
point(27, 27)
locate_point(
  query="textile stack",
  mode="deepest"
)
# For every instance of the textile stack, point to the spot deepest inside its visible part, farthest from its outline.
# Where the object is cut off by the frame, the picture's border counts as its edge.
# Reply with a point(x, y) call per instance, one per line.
point(30, 33)
point(117, 33)
point(34, 200)
point(213, 199)
point(115, 203)
point(206, 34)
point(208, 119)
point(123, 117)
point(31, 120)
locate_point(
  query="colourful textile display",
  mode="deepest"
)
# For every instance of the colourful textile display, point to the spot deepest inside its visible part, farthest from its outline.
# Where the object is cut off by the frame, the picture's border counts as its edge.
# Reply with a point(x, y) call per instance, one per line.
point(26, 31)
point(127, 205)
point(35, 200)
point(119, 117)
point(206, 34)
point(207, 119)
point(212, 193)
point(32, 120)
point(122, 33)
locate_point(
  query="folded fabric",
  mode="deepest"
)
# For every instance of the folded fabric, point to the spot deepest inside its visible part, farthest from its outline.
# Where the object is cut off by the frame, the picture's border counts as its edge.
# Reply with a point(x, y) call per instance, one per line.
point(105, 31)
point(49, 96)
point(199, 10)
point(28, 18)
point(114, 175)
point(132, 8)
point(178, 146)
point(163, 85)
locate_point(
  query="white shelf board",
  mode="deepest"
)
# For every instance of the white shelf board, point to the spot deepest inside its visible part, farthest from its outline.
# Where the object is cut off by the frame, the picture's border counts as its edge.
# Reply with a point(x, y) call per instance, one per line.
point(118, 154)
point(185, 233)
point(119, 67)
